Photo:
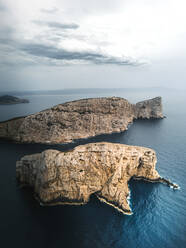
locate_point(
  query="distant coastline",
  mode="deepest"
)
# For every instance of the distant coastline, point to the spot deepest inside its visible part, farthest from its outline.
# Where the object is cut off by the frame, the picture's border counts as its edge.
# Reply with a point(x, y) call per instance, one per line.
point(7, 99)
point(75, 91)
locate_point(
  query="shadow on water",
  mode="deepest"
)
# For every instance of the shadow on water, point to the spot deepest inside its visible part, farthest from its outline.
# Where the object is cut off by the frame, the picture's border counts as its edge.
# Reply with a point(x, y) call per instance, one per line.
point(142, 193)
point(83, 226)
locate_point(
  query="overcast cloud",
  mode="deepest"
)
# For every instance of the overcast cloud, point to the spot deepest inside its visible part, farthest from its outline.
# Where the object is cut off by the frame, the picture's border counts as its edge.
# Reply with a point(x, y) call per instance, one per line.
point(62, 44)
point(57, 24)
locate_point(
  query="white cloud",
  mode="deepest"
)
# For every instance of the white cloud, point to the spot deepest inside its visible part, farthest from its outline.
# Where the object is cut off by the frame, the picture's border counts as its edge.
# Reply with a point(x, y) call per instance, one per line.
point(120, 31)
point(136, 29)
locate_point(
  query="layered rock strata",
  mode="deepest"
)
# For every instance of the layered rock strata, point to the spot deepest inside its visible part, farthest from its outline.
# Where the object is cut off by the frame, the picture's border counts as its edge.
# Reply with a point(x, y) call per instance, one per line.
point(103, 169)
point(79, 119)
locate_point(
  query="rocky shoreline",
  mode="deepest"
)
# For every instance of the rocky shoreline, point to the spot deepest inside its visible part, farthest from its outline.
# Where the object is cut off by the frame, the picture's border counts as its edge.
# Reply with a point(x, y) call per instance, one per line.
point(115, 205)
point(159, 180)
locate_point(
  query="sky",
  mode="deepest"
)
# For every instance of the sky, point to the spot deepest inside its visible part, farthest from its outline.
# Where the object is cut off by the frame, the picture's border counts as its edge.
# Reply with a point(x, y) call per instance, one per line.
point(92, 44)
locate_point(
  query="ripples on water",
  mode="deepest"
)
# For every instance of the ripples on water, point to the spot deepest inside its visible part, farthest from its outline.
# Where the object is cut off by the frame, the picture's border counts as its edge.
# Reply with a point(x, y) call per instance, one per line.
point(159, 213)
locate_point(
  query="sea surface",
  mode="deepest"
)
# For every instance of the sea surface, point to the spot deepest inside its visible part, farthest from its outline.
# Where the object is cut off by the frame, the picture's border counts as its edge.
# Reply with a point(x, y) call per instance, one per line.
point(159, 212)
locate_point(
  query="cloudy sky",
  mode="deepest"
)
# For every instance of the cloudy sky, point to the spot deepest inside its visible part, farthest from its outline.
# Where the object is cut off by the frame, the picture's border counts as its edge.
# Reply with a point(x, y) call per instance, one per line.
point(60, 44)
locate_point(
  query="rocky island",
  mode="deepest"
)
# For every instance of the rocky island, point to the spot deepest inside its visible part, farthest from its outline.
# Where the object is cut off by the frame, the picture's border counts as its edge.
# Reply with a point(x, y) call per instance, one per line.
point(79, 119)
point(6, 100)
point(103, 169)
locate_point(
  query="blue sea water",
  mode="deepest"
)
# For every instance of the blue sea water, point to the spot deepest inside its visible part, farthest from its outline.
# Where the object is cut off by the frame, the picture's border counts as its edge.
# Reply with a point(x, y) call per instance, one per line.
point(159, 212)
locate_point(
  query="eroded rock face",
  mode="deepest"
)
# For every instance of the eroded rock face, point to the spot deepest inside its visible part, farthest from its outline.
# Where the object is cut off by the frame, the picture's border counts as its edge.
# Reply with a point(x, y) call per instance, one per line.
point(149, 109)
point(79, 119)
point(102, 168)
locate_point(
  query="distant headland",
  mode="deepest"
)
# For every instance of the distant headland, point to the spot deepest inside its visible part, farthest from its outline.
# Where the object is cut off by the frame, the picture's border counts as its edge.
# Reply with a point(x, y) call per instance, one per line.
point(7, 99)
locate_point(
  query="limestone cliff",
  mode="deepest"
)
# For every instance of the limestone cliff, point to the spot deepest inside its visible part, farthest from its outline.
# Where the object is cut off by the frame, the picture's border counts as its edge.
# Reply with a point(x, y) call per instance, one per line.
point(103, 169)
point(149, 109)
point(79, 119)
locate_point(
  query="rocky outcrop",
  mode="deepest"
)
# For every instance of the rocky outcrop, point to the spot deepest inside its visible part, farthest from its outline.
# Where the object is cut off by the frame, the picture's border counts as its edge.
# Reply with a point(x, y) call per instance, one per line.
point(149, 109)
point(103, 169)
point(6, 100)
point(79, 119)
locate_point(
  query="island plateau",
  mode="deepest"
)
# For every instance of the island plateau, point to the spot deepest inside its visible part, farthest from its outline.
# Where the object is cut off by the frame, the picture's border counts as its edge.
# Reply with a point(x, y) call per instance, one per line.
point(79, 119)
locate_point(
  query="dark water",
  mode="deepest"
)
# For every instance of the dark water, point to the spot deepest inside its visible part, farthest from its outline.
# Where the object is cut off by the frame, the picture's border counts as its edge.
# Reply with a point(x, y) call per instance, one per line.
point(159, 213)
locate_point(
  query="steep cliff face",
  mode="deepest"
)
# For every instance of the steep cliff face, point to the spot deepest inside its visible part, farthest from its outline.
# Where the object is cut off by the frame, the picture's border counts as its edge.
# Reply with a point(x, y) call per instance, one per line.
point(79, 119)
point(149, 109)
point(103, 169)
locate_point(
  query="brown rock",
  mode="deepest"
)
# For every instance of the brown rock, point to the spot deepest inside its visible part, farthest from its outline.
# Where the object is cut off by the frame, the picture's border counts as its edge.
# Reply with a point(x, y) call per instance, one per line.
point(103, 169)
point(149, 109)
point(79, 119)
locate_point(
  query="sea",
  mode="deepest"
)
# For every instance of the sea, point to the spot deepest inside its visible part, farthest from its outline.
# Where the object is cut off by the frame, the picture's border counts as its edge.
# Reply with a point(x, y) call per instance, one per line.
point(159, 212)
